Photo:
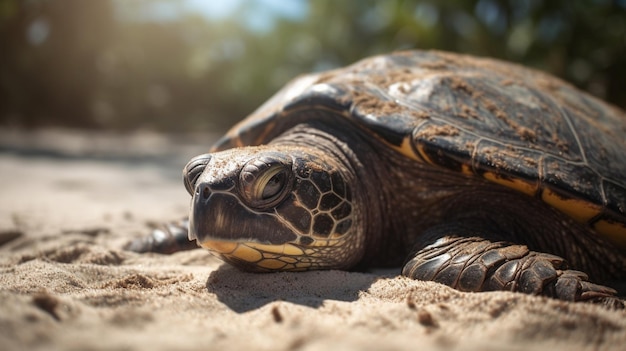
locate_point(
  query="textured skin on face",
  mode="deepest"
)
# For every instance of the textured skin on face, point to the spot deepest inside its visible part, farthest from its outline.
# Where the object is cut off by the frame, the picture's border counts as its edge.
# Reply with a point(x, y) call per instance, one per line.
point(304, 230)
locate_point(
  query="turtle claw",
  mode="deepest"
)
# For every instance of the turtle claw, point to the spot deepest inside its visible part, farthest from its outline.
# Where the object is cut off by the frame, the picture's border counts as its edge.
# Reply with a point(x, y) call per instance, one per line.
point(573, 285)
point(166, 239)
point(610, 302)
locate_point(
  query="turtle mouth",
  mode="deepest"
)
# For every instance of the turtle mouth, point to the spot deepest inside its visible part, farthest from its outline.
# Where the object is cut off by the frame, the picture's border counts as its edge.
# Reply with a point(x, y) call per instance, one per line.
point(221, 217)
point(251, 256)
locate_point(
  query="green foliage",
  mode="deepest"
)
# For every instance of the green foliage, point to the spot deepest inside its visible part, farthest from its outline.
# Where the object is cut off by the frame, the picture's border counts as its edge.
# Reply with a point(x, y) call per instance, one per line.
point(115, 64)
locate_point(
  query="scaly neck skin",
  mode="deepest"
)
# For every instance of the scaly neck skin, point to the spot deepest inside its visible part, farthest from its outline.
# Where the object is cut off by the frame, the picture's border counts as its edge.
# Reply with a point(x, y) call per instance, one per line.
point(395, 197)
point(339, 152)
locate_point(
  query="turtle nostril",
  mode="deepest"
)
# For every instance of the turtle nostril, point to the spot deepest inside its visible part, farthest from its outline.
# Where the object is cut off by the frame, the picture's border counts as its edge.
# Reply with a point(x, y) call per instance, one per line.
point(206, 192)
point(203, 191)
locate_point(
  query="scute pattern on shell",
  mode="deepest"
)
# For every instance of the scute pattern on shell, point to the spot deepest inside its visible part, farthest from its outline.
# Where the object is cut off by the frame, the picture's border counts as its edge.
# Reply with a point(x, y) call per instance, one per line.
point(515, 126)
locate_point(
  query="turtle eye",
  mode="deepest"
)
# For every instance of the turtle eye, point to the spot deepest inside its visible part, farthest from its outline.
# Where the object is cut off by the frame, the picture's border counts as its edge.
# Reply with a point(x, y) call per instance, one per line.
point(274, 185)
point(263, 184)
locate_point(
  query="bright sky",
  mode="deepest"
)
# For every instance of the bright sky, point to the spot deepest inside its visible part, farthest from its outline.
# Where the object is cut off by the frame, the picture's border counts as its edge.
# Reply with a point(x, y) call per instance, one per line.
point(260, 14)
point(295, 9)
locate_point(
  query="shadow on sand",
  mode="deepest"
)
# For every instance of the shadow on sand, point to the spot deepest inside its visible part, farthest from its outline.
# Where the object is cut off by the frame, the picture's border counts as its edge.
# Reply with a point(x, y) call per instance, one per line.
point(242, 291)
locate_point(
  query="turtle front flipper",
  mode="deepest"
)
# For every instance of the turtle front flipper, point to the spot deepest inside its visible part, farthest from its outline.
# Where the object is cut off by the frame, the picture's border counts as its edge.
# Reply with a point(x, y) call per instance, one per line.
point(165, 239)
point(474, 263)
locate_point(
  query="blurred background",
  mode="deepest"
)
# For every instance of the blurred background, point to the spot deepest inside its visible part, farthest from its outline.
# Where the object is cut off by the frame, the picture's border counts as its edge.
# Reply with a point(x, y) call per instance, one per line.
point(202, 65)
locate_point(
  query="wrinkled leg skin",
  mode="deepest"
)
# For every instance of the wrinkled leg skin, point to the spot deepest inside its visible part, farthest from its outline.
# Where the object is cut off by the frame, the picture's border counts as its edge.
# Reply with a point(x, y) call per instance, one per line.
point(477, 264)
point(165, 239)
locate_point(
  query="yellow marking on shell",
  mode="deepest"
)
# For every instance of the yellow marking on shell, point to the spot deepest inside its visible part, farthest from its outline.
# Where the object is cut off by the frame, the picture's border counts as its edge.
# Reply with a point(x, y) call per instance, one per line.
point(517, 184)
point(613, 231)
point(580, 210)
point(406, 148)
point(224, 247)
point(271, 263)
point(423, 155)
point(467, 170)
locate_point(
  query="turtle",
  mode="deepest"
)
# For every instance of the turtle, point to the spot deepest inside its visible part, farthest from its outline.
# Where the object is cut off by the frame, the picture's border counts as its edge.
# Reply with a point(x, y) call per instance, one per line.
point(472, 172)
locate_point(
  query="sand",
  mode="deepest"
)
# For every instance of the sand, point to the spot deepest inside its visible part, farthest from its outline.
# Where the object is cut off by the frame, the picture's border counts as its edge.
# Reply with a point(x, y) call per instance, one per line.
point(71, 200)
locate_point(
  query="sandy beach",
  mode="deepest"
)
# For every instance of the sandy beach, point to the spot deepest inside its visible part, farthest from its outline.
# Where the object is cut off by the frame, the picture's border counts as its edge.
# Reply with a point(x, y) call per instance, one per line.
point(71, 200)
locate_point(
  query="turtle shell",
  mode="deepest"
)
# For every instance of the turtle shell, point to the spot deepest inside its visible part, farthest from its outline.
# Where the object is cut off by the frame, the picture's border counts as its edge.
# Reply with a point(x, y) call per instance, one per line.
point(511, 125)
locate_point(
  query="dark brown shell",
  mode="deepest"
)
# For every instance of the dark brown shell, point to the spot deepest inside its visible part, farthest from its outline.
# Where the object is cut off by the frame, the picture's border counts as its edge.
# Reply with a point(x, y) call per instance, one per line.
point(511, 125)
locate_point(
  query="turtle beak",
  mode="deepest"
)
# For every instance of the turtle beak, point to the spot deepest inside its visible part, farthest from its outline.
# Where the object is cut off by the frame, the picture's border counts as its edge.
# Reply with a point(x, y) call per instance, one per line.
point(221, 216)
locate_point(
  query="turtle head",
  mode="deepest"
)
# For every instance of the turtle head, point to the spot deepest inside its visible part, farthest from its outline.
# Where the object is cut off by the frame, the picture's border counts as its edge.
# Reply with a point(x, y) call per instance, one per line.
point(266, 209)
